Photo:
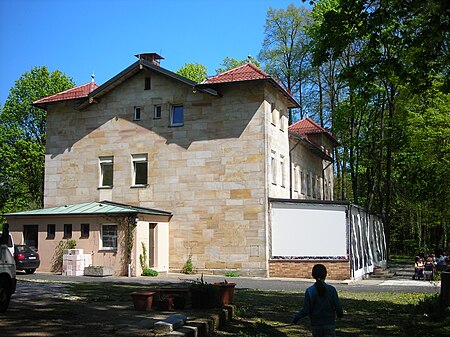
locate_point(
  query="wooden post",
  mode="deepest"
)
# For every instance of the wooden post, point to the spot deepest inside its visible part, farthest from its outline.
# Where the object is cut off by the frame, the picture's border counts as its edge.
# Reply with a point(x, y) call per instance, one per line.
point(445, 291)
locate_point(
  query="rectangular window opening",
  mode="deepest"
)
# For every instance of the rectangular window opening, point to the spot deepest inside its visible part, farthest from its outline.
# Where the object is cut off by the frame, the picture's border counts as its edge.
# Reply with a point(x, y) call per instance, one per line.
point(177, 115)
point(67, 231)
point(148, 83)
point(51, 231)
point(84, 230)
point(273, 167)
point(106, 171)
point(157, 112)
point(137, 113)
point(109, 237)
point(140, 170)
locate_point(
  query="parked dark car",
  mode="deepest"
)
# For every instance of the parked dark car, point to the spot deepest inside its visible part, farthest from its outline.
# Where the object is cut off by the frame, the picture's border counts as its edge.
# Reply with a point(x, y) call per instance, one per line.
point(26, 259)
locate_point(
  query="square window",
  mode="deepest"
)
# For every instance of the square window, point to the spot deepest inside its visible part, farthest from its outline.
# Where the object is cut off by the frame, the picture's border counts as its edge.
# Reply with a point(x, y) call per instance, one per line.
point(157, 112)
point(140, 170)
point(106, 171)
point(84, 230)
point(148, 83)
point(51, 230)
point(177, 115)
point(109, 237)
point(67, 231)
point(137, 113)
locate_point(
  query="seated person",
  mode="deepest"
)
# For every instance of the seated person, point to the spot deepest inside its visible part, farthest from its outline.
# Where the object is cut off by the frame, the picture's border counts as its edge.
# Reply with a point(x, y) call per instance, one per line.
point(418, 269)
point(428, 269)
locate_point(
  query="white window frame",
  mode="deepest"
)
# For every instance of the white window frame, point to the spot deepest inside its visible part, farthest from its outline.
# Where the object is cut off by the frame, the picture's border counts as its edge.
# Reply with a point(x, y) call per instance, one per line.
point(172, 109)
point(139, 159)
point(283, 171)
point(103, 163)
point(102, 237)
point(137, 113)
point(157, 109)
point(296, 178)
point(273, 167)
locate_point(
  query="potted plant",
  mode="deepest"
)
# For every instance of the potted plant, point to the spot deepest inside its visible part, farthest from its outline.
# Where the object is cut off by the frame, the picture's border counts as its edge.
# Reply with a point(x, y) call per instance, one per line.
point(143, 300)
point(226, 292)
point(165, 303)
point(203, 294)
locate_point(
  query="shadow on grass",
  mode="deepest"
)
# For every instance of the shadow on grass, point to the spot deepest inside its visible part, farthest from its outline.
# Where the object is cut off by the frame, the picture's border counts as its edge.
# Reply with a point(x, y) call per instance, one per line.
point(267, 313)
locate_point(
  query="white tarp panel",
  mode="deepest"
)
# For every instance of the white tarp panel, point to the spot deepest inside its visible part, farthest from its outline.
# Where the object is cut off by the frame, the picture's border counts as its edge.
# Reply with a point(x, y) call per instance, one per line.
point(302, 230)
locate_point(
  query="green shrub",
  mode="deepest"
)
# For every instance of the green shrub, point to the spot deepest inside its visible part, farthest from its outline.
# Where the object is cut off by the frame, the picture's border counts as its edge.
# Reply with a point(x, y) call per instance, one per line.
point(232, 274)
point(149, 272)
point(57, 260)
point(188, 267)
point(143, 258)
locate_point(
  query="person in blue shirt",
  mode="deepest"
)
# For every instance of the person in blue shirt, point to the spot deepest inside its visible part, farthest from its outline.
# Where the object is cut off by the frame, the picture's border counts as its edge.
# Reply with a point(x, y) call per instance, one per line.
point(321, 304)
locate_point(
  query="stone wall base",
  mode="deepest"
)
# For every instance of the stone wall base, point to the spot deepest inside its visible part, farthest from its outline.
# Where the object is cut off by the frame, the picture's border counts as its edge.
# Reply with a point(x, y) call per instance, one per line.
point(337, 269)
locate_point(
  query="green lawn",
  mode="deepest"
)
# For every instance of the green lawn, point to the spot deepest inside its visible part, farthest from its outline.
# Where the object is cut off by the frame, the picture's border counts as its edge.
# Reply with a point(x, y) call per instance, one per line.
point(267, 313)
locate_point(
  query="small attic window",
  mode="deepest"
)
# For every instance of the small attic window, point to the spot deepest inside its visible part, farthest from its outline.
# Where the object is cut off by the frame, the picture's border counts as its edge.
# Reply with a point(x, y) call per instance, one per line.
point(148, 83)
point(137, 113)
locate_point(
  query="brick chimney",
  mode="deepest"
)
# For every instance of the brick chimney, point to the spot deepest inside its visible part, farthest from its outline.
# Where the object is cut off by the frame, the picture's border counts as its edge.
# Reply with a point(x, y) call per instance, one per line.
point(150, 57)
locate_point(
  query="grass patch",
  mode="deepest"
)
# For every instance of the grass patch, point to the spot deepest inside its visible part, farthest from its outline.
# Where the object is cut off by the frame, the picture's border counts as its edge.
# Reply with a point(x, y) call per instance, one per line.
point(269, 313)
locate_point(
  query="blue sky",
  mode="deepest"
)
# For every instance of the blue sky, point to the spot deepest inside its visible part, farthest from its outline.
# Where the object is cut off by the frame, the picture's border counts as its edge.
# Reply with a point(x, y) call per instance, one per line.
point(81, 36)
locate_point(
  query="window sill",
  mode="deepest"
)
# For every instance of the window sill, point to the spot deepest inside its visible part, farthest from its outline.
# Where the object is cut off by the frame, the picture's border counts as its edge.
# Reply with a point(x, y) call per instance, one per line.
point(139, 186)
point(175, 125)
point(104, 187)
point(107, 250)
point(67, 237)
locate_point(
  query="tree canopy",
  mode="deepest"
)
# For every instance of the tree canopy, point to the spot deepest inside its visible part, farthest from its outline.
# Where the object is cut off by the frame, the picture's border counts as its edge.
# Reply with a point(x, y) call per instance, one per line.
point(377, 74)
point(229, 63)
point(194, 71)
point(22, 138)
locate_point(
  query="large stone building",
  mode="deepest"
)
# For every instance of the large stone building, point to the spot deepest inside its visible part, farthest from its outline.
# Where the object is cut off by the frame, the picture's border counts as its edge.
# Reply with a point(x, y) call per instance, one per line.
point(210, 154)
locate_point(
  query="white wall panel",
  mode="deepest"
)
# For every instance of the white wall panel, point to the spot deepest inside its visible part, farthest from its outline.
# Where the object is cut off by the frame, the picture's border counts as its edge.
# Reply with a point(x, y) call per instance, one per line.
point(309, 230)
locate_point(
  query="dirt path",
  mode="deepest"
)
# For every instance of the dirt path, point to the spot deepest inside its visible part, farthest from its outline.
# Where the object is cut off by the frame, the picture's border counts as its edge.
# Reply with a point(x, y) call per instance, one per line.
point(47, 309)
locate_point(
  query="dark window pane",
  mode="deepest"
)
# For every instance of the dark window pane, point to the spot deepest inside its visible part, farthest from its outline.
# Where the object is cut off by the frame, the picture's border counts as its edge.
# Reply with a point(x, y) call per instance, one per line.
point(51, 231)
point(148, 83)
point(67, 231)
point(107, 174)
point(141, 173)
point(84, 230)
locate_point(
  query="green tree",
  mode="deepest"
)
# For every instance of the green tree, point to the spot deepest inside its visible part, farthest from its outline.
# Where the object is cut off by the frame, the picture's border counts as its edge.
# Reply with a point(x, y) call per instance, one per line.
point(229, 63)
point(390, 54)
point(194, 71)
point(22, 138)
point(285, 50)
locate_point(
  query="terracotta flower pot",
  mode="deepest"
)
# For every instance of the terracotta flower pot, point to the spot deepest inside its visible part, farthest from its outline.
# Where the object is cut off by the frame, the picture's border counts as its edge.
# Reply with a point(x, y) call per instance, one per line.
point(226, 292)
point(143, 300)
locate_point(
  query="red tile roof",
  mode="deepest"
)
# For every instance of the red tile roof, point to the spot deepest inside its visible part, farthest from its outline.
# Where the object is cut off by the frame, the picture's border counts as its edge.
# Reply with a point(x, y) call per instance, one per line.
point(307, 127)
point(245, 72)
point(77, 92)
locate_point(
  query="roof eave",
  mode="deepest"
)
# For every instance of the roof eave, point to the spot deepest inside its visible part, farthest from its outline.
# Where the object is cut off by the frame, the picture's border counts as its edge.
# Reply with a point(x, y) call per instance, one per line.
point(314, 148)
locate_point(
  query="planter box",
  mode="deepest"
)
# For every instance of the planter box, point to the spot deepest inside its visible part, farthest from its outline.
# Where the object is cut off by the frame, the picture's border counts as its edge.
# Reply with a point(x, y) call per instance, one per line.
point(97, 271)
